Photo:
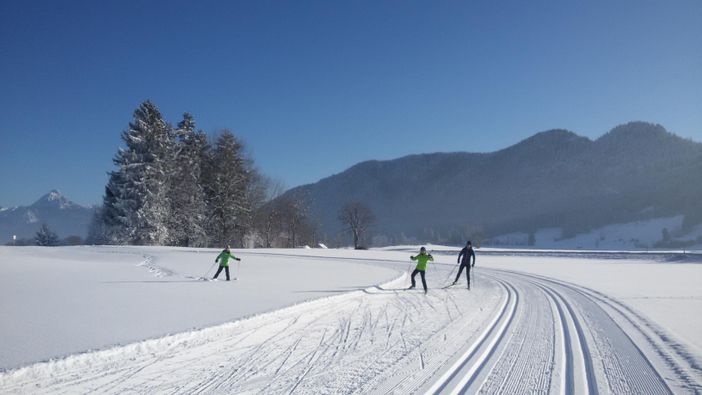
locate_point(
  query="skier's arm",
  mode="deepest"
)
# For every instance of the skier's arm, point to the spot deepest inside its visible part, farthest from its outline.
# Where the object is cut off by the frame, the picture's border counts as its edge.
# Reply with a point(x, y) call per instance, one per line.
point(431, 259)
point(218, 256)
point(473, 253)
point(460, 255)
point(412, 257)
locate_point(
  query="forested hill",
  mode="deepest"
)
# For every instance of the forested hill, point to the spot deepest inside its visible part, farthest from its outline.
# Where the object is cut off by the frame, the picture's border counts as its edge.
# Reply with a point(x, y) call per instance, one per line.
point(552, 179)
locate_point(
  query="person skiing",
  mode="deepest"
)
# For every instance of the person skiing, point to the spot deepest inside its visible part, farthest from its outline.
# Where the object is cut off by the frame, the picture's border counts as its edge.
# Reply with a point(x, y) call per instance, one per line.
point(422, 260)
point(464, 260)
point(223, 259)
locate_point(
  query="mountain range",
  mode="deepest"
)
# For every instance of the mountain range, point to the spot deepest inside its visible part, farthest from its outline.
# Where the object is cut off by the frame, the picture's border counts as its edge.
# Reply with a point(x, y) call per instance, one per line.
point(554, 179)
point(60, 214)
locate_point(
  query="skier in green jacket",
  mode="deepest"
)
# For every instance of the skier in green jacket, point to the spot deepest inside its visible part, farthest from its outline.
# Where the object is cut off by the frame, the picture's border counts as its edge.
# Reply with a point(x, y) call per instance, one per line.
point(422, 260)
point(223, 259)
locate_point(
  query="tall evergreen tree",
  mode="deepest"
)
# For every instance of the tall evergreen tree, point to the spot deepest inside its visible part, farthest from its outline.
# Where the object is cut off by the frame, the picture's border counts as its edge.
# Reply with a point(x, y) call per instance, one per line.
point(187, 197)
point(136, 203)
point(226, 184)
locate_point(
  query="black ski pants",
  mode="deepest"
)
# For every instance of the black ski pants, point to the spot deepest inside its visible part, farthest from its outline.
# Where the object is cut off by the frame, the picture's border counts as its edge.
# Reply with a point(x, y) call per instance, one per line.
point(467, 266)
point(226, 268)
point(424, 281)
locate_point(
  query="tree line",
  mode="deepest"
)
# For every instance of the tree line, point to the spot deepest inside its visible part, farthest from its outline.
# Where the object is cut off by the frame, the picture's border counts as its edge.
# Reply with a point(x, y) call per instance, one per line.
point(176, 186)
point(173, 186)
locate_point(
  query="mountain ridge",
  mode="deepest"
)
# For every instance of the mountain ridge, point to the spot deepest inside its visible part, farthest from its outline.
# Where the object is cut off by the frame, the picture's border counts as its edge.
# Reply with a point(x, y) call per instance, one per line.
point(63, 216)
point(553, 178)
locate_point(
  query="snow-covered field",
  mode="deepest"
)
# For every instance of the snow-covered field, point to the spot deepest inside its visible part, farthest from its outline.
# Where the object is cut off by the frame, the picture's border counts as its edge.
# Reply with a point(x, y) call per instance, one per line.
point(340, 321)
point(634, 235)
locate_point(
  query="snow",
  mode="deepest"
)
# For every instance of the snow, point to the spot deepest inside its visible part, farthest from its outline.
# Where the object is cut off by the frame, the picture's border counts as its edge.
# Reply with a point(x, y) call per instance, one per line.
point(95, 297)
point(666, 293)
point(640, 234)
point(32, 217)
point(340, 321)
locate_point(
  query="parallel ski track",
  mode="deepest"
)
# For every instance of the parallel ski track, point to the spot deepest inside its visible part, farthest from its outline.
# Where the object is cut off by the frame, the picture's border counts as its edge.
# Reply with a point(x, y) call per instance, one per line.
point(652, 342)
point(613, 362)
point(591, 352)
point(473, 359)
point(512, 333)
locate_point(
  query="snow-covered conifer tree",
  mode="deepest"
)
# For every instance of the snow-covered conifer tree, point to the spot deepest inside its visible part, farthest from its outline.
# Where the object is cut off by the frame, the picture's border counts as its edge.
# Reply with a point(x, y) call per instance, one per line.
point(136, 203)
point(187, 198)
point(46, 237)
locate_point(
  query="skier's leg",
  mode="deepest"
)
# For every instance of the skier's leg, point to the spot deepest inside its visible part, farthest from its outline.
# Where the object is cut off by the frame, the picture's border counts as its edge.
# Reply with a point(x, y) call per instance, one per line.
point(424, 281)
point(414, 273)
point(226, 269)
point(218, 271)
point(460, 270)
point(468, 275)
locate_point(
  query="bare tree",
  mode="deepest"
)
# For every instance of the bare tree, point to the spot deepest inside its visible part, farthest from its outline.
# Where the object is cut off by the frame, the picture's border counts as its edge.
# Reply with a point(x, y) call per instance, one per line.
point(267, 223)
point(266, 212)
point(293, 213)
point(358, 218)
point(295, 219)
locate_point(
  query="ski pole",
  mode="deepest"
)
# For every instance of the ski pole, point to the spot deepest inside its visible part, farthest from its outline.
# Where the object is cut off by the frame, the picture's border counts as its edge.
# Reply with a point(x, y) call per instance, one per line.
point(472, 275)
point(209, 270)
point(450, 274)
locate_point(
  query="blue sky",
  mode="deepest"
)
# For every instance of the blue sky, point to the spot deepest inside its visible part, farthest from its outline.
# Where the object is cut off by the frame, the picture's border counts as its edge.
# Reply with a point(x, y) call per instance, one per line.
point(314, 87)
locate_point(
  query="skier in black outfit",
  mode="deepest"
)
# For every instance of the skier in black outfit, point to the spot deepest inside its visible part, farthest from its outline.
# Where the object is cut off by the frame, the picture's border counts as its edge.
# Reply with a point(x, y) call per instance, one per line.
point(464, 260)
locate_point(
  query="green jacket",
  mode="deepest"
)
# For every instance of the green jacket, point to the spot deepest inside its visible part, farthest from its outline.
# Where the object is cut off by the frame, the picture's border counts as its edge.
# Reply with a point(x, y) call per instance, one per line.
point(422, 260)
point(224, 256)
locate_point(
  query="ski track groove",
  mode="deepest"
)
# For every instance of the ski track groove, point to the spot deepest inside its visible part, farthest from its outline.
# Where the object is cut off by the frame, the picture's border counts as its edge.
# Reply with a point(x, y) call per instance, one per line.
point(486, 358)
point(521, 354)
point(567, 385)
point(672, 353)
point(635, 374)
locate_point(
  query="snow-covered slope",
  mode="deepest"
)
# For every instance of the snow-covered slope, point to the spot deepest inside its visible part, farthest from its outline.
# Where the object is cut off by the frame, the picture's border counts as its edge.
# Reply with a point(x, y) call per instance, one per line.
point(528, 324)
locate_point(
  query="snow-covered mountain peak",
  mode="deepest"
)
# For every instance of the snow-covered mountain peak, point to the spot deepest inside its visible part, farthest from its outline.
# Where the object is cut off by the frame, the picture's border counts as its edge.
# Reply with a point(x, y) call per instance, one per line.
point(55, 199)
point(54, 195)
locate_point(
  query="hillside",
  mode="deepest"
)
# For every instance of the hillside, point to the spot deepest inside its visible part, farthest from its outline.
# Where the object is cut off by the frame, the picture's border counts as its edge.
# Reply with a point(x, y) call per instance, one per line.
point(556, 178)
point(63, 217)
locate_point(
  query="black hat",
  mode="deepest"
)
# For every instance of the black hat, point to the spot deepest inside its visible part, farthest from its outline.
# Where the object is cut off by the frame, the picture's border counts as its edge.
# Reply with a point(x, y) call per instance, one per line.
point(468, 243)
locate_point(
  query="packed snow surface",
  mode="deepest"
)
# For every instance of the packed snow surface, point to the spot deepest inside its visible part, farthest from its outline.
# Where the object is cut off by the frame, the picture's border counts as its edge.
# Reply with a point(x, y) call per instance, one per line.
point(342, 321)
